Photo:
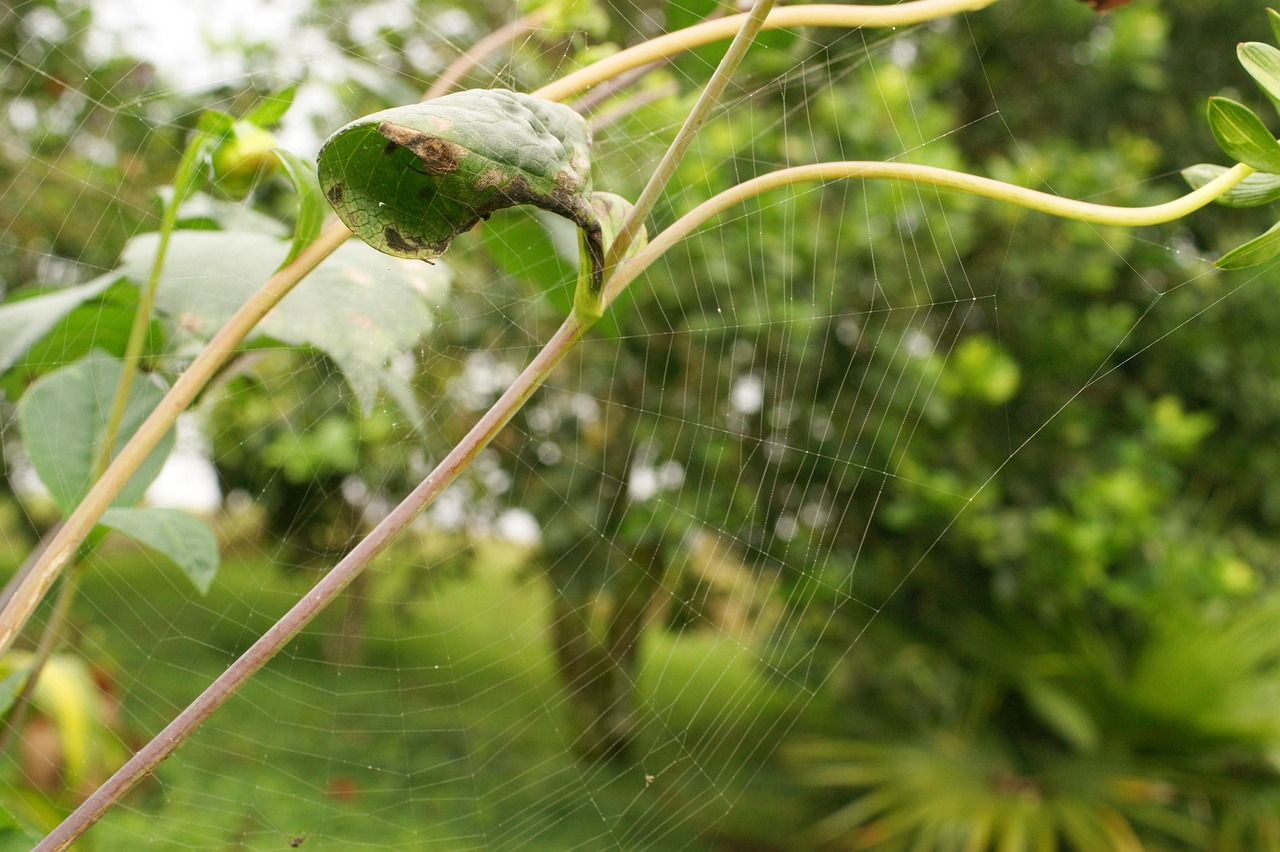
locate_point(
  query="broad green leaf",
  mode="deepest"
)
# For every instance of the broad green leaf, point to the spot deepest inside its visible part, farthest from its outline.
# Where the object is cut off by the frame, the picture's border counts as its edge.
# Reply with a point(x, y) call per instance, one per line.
point(359, 307)
point(1262, 61)
point(1257, 189)
point(410, 179)
point(179, 535)
point(61, 421)
point(1242, 135)
point(309, 205)
point(1257, 251)
point(24, 322)
point(273, 107)
point(204, 212)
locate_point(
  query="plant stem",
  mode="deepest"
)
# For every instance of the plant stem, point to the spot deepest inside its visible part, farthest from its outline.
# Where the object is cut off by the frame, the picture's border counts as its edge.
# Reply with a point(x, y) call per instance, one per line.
point(223, 344)
point(270, 643)
point(1044, 202)
point(748, 29)
point(27, 593)
point(671, 44)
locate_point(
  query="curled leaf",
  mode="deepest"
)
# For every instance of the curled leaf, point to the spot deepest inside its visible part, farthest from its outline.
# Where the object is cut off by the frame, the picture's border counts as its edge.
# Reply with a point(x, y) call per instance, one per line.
point(408, 180)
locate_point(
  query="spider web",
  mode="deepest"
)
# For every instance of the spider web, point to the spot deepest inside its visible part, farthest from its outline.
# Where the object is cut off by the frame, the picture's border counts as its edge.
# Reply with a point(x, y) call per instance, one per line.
point(757, 440)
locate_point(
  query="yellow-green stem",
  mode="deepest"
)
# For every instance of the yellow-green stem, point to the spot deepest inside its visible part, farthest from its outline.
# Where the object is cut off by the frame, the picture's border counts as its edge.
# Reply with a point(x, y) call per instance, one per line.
point(1020, 196)
point(672, 44)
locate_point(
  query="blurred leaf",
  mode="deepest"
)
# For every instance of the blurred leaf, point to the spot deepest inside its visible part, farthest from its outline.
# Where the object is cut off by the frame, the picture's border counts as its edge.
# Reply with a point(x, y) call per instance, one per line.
point(1258, 250)
point(1273, 18)
point(359, 307)
point(179, 535)
point(1257, 189)
point(24, 322)
point(61, 420)
point(309, 204)
point(408, 180)
point(272, 108)
point(1262, 61)
point(1059, 711)
point(1242, 135)
point(214, 122)
point(11, 685)
point(67, 695)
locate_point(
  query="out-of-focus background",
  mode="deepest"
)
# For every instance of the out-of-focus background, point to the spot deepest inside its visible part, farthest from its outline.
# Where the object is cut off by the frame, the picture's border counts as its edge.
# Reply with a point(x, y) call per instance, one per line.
point(873, 517)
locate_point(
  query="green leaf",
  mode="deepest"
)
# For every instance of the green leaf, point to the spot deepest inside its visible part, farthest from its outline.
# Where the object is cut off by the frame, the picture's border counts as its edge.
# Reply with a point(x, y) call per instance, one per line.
point(1242, 135)
point(309, 204)
point(24, 322)
point(1273, 18)
point(359, 307)
point(61, 421)
point(1257, 189)
point(410, 179)
point(1262, 61)
point(179, 535)
point(273, 107)
point(1257, 251)
point(214, 122)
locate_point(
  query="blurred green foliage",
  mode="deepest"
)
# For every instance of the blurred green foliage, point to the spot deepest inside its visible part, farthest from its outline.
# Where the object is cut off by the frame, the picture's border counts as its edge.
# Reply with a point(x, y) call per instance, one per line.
point(1003, 487)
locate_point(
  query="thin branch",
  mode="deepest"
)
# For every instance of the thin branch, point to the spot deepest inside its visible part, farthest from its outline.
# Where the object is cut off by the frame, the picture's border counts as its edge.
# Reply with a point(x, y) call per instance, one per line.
point(226, 685)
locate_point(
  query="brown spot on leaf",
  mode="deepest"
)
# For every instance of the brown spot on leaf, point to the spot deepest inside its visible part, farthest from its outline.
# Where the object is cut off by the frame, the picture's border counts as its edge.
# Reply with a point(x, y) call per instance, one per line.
point(488, 178)
point(438, 156)
point(335, 193)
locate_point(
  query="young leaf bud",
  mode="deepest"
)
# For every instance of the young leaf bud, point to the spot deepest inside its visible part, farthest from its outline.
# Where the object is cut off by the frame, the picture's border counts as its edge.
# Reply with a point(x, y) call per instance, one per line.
point(242, 159)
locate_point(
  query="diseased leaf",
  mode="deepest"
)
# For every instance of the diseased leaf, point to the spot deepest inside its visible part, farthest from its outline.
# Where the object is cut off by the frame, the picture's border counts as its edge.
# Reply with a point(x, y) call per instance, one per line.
point(1262, 61)
point(408, 180)
point(24, 322)
point(1257, 251)
point(179, 535)
point(1242, 135)
point(1257, 189)
point(309, 206)
point(62, 420)
point(359, 307)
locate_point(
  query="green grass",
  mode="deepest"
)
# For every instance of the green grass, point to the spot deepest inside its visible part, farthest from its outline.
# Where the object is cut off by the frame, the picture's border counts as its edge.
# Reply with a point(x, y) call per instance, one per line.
point(450, 734)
